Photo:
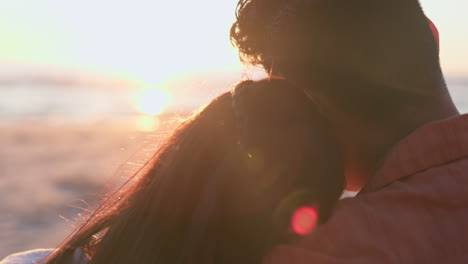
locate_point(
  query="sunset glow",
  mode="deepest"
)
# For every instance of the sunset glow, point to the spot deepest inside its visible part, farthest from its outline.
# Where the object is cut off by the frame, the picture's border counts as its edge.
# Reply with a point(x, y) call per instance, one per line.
point(152, 101)
point(149, 41)
point(143, 41)
point(147, 123)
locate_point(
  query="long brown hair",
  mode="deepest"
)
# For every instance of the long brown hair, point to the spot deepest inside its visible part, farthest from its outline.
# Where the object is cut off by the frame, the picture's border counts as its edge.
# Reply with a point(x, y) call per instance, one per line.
point(224, 185)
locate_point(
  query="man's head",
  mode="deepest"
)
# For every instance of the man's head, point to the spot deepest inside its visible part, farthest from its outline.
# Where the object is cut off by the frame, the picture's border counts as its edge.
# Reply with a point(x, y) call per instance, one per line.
point(372, 67)
point(356, 54)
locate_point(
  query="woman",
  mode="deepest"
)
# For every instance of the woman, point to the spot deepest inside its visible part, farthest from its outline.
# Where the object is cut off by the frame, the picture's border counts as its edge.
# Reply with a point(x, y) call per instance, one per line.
point(225, 188)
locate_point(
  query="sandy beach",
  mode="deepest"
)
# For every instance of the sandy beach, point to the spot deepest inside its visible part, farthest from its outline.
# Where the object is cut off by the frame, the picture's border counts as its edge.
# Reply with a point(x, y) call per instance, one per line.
point(46, 171)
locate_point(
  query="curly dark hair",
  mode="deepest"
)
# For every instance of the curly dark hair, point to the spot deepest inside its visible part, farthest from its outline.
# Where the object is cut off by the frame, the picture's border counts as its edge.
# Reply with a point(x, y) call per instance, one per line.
point(344, 50)
point(253, 32)
point(354, 35)
point(247, 31)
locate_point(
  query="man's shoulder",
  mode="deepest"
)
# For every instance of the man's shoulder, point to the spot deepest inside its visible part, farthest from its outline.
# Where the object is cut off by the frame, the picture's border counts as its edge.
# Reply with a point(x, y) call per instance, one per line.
point(401, 222)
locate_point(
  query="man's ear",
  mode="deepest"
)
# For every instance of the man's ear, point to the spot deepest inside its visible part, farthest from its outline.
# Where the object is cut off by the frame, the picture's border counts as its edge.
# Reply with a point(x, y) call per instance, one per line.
point(435, 32)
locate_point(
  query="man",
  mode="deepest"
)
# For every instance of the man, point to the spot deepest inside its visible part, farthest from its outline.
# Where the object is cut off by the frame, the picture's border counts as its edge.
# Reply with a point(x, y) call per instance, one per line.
point(372, 68)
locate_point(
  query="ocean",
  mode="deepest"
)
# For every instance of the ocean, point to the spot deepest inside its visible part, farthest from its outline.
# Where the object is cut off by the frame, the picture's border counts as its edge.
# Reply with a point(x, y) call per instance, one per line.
point(459, 90)
point(59, 104)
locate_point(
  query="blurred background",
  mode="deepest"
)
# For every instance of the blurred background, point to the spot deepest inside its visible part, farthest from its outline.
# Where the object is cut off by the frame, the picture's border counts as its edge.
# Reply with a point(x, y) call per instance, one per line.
point(88, 88)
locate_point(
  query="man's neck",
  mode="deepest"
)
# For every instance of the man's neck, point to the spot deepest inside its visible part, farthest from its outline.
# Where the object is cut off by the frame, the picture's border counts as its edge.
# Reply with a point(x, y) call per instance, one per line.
point(366, 143)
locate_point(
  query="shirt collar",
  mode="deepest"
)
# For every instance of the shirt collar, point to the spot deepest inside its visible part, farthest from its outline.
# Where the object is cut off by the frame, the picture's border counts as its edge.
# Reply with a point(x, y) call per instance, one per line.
point(431, 145)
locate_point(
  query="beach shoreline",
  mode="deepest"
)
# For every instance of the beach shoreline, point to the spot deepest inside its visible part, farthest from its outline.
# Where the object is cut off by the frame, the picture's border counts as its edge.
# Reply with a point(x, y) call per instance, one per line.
point(51, 173)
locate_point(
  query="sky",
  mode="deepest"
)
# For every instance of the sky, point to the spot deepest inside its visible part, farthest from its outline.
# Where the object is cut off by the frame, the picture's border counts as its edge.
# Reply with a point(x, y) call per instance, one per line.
point(451, 18)
point(151, 40)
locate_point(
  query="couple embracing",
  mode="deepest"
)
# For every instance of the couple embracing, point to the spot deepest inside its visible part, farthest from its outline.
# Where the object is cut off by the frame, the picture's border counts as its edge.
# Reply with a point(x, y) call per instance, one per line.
point(356, 100)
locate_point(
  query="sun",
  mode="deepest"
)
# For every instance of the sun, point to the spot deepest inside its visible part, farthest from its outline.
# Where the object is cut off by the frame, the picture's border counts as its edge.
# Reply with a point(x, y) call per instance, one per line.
point(153, 101)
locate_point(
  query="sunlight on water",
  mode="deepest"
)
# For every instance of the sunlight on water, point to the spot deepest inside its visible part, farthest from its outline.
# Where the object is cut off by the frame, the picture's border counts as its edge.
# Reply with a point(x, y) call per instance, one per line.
point(152, 101)
point(148, 123)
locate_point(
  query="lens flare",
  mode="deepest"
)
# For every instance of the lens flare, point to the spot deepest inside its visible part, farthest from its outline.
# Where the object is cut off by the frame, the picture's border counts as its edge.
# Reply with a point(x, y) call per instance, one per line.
point(304, 220)
point(153, 101)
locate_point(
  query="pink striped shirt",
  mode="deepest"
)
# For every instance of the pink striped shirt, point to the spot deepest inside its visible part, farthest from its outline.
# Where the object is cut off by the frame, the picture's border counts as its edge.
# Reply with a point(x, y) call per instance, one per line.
point(414, 210)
